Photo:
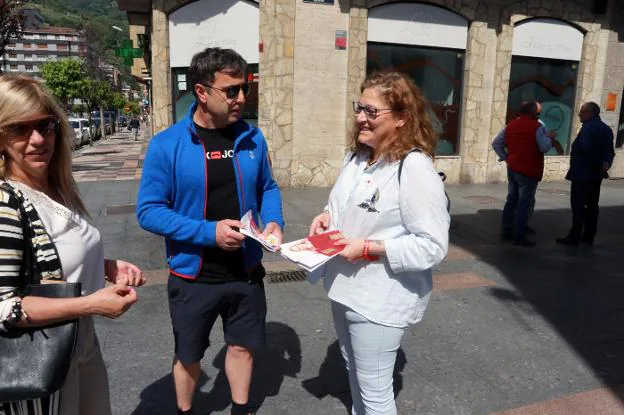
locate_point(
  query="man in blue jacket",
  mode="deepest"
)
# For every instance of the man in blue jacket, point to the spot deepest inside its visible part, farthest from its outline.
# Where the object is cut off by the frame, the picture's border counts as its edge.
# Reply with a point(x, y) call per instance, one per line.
point(591, 157)
point(199, 177)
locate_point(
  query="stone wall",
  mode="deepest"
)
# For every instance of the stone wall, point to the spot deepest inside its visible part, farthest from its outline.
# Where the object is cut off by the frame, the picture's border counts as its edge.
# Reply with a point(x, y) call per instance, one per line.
point(161, 71)
point(320, 88)
point(275, 106)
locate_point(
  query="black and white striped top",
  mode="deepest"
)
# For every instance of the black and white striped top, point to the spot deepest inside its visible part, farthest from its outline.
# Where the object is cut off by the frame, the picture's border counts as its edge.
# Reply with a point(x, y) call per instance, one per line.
point(11, 279)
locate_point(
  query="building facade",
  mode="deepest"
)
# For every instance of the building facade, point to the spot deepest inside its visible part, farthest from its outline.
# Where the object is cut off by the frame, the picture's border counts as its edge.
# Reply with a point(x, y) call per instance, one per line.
point(40, 45)
point(476, 60)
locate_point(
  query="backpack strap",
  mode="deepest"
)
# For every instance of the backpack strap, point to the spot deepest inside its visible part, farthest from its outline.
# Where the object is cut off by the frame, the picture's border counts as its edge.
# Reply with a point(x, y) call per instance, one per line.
point(402, 160)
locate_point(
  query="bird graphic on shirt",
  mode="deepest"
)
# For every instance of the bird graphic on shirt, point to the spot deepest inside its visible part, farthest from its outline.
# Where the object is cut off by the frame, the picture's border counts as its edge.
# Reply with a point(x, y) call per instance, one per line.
point(369, 204)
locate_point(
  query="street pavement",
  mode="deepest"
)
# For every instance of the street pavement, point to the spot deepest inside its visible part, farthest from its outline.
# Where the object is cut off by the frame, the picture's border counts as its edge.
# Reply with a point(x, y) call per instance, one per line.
point(509, 330)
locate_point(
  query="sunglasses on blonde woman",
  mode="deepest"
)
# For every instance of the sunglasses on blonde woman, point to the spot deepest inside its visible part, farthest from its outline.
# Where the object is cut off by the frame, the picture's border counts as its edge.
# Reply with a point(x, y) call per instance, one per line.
point(45, 127)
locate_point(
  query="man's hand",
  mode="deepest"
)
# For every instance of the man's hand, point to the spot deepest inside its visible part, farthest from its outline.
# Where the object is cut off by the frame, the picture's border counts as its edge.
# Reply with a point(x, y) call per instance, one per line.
point(552, 135)
point(320, 224)
point(124, 273)
point(227, 235)
point(274, 229)
point(353, 251)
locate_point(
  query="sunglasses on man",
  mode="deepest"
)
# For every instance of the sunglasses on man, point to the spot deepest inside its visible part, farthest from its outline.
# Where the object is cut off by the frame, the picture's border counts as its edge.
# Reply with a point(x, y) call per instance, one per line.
point(232, 92)
point(46, 127)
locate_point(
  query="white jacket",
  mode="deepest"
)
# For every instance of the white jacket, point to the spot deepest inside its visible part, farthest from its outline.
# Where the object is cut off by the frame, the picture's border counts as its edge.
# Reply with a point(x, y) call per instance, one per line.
point(412, 221)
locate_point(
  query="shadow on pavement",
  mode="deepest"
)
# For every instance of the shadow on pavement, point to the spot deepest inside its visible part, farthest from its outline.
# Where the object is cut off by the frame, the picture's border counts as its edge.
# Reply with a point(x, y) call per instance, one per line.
point(333, 378)
point(280, 358)
point(578, 290)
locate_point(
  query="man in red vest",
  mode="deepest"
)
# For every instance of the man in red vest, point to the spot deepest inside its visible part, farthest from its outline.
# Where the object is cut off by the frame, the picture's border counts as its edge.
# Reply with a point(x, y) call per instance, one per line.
point(522, 144)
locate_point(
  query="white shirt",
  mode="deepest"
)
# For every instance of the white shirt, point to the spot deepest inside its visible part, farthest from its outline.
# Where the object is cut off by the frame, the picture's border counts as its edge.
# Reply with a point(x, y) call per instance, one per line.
point(413, 223)
point(78, 243)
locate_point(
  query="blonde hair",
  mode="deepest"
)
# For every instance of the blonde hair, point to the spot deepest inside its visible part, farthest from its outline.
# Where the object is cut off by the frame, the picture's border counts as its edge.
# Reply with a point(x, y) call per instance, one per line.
point(402, 95)
point(23, 99)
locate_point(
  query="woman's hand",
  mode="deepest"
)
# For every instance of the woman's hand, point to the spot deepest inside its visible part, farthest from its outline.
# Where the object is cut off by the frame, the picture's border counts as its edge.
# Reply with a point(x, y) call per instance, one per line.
point(353, 251)
point(320, 224)
point(123, 273)
point(112, 301)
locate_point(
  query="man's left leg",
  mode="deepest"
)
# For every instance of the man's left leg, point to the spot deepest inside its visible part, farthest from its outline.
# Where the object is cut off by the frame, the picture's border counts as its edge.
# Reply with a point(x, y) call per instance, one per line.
point(244, 329)
point(591, 212)
point(527, 186)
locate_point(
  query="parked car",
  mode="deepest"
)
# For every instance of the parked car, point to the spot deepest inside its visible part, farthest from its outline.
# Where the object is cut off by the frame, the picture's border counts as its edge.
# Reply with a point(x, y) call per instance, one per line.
point(79, 132)
point(86, 130)
point(122, 121)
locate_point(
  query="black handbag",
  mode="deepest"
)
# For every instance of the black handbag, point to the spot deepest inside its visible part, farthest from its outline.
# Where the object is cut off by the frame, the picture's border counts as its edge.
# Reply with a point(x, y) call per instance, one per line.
point(34, 361)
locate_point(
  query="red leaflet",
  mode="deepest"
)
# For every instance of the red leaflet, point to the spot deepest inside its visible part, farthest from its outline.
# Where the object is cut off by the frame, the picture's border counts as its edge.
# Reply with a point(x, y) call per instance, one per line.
point(324, 242)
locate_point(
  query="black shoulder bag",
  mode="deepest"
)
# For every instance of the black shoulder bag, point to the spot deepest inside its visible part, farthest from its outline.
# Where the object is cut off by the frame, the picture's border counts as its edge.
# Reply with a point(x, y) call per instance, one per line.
point(34, 361)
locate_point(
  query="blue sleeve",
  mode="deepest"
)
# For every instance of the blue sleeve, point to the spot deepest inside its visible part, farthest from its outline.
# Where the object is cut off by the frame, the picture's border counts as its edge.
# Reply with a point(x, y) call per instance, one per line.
point(269, 195)
point(154, 212)
point(543, 142)
point(499, 145)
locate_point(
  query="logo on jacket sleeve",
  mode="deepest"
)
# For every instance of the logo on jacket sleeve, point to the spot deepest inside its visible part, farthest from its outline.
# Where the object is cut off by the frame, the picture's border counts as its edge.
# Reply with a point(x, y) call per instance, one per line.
point(252, 155)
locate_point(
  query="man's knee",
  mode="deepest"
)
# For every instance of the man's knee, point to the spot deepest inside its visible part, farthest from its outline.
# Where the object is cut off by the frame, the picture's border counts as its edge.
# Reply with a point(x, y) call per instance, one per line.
point(239, 352)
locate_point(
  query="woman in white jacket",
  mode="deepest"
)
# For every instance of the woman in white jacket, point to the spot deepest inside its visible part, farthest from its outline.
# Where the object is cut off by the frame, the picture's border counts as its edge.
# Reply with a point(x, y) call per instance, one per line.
point(396, 230)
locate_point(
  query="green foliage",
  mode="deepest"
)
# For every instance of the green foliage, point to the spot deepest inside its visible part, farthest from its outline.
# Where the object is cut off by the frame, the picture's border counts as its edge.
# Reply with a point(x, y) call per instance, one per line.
point(96, 17)
point(97, 94)
point(66, 78)
point(79, 109)
point(118, 101)
point(134, 108)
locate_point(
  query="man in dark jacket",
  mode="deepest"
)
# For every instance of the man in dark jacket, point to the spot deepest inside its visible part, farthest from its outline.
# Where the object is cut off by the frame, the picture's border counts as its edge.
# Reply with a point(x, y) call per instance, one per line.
point(591, 157)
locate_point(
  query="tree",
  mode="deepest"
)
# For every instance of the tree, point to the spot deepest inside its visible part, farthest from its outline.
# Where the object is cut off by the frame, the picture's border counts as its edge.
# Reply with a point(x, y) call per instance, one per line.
point(66, 78)
point(97, 94)
point(11, 24)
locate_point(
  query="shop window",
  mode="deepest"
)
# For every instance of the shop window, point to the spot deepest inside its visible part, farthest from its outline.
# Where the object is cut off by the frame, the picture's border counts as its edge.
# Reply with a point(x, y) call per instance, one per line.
point(439, 73)
point(183, 94)
point(552, 82)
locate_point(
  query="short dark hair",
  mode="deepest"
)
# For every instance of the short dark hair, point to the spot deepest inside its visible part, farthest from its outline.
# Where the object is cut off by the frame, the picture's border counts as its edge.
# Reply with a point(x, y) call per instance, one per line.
point(528, 108)
point(206, 63)
point(593, 107)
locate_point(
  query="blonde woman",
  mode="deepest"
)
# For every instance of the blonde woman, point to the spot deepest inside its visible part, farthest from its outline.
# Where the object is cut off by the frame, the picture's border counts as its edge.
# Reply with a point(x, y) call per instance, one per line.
point(396, 230)
point(35, 160)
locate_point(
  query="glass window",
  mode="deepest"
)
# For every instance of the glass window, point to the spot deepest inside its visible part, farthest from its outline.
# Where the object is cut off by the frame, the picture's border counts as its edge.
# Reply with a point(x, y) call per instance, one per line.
point(439, 73)
point(29, 67)
point(183, 94)
point(551, 82)
point(13, 67)
point(12, 55)
point(27, 45)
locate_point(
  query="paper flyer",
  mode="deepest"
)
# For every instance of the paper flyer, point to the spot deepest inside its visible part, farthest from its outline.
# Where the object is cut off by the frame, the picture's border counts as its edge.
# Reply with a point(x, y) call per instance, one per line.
point(250, 229)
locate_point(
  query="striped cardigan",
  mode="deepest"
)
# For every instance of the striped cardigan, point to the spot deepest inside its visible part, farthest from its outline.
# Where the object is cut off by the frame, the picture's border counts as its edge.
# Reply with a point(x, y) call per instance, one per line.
point(13, 206)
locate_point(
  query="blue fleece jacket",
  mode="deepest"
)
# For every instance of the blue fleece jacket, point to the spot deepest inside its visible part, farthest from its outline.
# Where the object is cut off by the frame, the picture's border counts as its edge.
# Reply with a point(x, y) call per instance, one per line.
point(592, 147)
point(173, 192)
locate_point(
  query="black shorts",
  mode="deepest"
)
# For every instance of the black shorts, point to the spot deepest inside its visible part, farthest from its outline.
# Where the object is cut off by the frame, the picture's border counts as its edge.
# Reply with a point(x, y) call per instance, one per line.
point(194, 308)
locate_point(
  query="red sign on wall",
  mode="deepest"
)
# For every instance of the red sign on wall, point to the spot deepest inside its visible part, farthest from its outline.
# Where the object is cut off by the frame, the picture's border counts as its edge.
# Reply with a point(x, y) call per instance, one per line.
point(341, 40)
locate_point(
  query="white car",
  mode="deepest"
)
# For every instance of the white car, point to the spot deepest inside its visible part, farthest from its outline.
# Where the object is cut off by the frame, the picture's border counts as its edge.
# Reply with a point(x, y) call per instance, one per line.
point(81, 131)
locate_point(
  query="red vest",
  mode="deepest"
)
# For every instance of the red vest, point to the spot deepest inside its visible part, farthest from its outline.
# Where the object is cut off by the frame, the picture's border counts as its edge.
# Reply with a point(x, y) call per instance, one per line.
point(523, 154)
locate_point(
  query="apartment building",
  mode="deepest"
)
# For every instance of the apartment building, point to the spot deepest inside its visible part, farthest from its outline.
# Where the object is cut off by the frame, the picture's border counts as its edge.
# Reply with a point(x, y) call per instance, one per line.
point(40, 45)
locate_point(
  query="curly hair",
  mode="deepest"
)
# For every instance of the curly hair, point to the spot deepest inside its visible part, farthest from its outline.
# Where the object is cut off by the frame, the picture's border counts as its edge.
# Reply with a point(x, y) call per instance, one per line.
point(402, 95)
point(21, 99)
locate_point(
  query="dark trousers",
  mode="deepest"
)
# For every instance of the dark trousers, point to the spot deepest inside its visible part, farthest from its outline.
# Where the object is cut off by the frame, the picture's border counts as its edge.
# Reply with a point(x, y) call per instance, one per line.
point(520, 200)
point(584, 197)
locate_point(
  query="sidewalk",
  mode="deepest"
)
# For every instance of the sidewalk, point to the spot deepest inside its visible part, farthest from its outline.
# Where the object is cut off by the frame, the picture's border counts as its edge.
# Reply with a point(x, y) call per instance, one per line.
point(509, 330)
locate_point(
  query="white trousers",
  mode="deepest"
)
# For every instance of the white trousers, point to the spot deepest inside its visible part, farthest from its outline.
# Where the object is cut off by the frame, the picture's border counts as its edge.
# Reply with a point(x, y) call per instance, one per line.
point(369, 351)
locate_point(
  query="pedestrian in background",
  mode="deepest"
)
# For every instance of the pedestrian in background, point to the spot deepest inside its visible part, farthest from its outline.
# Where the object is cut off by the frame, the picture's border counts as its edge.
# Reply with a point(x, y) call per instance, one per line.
point(199, 177)
point(35, 162)
point(381, 282)
point(134, 127)
point(522, 144)
point(590, 159)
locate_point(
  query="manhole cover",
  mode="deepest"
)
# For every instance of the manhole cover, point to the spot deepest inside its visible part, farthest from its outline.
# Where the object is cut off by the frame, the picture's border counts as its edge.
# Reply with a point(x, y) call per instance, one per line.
point(120, 210)
point(483, 200)
point(555, 191)
point(286, 276)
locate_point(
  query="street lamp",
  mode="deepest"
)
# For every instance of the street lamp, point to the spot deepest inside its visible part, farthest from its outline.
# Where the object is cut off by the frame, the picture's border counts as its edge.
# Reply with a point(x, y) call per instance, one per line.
point(117, 28)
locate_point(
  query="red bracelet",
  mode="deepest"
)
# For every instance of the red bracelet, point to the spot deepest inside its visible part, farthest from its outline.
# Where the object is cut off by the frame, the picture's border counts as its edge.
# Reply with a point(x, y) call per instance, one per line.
point(366, 254)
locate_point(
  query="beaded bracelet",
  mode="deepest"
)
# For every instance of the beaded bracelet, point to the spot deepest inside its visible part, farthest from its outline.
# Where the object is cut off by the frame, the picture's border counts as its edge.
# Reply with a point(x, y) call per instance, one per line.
point(366, 254)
